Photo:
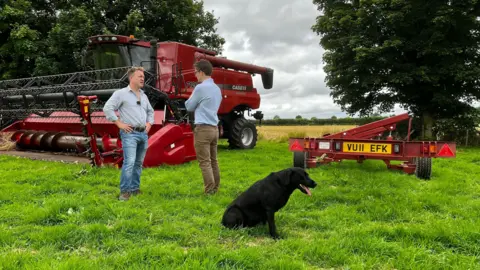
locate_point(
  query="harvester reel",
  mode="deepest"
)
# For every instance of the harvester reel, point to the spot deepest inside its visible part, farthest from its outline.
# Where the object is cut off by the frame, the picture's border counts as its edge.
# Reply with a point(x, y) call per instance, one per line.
point(243, 134)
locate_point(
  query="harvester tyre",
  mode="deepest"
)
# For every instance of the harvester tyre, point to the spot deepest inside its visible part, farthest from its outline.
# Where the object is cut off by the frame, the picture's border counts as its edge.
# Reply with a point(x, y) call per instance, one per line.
point(423, 168)
point(243, 134)
point(300, 160)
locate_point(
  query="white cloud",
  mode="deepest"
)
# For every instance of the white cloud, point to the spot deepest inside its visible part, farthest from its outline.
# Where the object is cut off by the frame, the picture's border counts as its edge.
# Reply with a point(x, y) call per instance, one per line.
point(277, 34)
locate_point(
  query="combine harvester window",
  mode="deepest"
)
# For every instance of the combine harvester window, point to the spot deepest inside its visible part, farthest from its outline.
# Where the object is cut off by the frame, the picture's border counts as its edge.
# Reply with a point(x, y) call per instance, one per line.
point(115, 55)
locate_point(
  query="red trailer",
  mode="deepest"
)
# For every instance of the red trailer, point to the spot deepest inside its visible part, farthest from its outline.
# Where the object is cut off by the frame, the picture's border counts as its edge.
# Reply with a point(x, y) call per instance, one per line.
point(360, 144)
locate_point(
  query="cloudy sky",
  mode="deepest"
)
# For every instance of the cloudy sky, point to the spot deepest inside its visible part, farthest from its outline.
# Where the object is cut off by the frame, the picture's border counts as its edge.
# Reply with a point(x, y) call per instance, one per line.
point(277, 34)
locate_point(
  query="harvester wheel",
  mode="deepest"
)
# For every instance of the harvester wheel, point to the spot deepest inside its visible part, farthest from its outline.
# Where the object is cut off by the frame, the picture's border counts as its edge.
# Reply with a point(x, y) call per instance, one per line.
point(300, 160)
point(424, 168)
point(243, 134)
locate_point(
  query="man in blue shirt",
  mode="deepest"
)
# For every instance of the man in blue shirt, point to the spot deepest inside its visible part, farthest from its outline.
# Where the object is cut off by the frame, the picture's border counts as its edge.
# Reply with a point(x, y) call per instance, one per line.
point(205, 101)
point(136, 119)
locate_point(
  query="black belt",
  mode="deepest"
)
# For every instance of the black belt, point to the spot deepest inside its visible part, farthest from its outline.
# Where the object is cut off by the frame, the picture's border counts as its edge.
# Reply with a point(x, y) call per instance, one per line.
point(139, 129)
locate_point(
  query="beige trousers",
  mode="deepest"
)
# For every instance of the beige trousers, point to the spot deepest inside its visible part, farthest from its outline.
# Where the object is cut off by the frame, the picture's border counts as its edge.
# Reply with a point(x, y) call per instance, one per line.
point(206, 141)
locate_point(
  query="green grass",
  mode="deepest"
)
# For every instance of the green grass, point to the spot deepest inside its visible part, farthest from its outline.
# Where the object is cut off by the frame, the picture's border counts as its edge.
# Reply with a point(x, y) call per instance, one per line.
point(361, 216)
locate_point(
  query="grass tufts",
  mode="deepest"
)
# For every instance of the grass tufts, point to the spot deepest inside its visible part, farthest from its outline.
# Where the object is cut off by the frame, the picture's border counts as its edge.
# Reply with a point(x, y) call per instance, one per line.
point(361, 216)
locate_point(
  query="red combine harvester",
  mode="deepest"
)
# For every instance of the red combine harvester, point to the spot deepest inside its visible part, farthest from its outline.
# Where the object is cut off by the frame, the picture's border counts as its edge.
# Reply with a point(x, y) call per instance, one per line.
point(360, 144)
point(46, 114)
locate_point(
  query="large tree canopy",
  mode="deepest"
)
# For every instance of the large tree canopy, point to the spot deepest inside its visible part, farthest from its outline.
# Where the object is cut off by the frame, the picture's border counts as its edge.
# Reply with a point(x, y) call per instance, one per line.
point(39, 37)
point(423, 55)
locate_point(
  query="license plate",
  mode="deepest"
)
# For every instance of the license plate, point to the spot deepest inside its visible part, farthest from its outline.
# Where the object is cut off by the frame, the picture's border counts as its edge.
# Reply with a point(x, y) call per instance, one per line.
point(367, 148)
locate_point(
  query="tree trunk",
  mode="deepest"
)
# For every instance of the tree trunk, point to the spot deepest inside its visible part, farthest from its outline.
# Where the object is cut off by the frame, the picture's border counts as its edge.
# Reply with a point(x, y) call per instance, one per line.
point(427, 126)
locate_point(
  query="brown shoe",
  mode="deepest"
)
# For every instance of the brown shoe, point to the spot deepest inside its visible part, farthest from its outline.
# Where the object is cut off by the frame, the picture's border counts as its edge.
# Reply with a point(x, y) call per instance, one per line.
point(137, 192)
point(125, 196)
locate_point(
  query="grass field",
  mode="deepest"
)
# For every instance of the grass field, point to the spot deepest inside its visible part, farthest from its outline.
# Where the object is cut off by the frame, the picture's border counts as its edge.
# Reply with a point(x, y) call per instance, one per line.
point(361, 216)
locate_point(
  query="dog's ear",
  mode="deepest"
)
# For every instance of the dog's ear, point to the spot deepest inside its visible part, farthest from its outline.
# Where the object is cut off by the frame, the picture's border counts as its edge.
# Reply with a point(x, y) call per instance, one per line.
point(297, 175)
point(285, 176)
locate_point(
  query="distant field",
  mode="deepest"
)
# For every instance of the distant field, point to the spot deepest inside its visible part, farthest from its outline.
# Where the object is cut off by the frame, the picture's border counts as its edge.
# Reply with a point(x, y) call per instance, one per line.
point(281, 133)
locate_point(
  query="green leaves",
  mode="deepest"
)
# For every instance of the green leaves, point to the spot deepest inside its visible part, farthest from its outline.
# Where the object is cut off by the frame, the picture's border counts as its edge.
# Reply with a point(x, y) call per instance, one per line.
point(18, 39)
point(134, 19)
point(23, 38)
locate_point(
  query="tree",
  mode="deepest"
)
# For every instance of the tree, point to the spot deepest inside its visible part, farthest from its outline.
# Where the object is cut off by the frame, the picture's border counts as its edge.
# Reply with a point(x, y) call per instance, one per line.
point(298, 117)
point(276, 117)
point(21, 33)
point(48, 37)
point(423, 55)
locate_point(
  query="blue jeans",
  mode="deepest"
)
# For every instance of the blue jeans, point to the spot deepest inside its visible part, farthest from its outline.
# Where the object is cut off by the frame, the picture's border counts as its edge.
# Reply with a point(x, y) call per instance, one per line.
point(134, 146)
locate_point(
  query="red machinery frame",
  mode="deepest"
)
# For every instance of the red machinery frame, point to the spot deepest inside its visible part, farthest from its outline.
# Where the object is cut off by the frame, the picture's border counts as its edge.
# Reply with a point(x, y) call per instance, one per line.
point(360, 144)
point(88, 134)
point(167, 145)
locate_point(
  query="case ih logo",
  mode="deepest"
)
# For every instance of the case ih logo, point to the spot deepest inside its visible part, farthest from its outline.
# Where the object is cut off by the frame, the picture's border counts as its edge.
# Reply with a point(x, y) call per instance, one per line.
point(192, 84)
point(239, 87)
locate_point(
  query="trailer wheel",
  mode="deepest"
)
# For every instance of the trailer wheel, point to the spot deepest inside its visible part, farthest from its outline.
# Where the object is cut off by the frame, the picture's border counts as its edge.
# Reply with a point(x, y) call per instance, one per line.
point(424, 168)
point(243, 134)
point(300, 160)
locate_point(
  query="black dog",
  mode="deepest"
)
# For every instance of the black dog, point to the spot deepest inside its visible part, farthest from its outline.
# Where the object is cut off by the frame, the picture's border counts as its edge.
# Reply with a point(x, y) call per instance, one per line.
point(259, 203)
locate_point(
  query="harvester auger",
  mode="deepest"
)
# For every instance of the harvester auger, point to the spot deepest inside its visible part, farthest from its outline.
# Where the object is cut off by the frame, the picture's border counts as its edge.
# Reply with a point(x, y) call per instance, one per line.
point(368, 142)
point(44, 114)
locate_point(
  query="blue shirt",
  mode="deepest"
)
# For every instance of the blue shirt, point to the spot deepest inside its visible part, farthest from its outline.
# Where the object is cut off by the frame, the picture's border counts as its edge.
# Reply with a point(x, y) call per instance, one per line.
point(205, 101)
point(131, 113)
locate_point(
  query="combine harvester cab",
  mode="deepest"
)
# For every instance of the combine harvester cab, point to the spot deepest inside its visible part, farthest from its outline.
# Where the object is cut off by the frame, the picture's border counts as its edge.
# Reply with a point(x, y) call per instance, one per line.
point(61, 116)
point(362, 143)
